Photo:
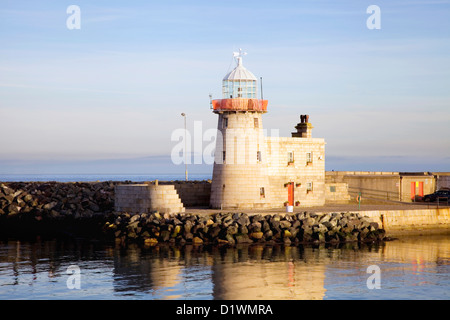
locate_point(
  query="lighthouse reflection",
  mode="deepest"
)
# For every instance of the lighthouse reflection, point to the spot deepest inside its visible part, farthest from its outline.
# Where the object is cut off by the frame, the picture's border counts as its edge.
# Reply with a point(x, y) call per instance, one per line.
point(269, 273)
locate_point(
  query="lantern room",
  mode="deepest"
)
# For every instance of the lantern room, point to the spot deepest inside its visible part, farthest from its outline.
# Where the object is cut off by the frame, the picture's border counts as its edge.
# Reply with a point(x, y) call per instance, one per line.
point(240, 82)
point(239, 90)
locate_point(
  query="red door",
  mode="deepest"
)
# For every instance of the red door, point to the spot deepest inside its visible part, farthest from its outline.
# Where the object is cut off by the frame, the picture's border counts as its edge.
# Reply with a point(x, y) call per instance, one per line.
point(413, 190)
point(291, 193)
point(421, 189)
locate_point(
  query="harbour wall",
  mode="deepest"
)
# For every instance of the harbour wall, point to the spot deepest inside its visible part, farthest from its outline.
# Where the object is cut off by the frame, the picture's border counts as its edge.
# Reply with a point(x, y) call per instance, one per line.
point(404, 222)
point(53, 201)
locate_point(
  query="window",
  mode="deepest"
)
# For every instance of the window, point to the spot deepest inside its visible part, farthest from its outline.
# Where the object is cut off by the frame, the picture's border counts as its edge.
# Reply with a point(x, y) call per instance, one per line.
point(332, 188)
point(290, 156)
point(262, 193)
point(309, 158)
point(309, 187)
point(258, 156)
point(224, 123)
point(256, 122)
point(223, 156)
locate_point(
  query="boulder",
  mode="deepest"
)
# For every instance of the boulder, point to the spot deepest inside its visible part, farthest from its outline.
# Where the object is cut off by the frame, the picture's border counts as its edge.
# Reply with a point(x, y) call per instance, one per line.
point(242, 238)
point(197, 240)
point(256, 235)
point(284, 224)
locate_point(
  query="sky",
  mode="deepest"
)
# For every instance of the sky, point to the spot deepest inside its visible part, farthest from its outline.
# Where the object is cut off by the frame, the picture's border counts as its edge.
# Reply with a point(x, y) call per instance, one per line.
point(106, 98)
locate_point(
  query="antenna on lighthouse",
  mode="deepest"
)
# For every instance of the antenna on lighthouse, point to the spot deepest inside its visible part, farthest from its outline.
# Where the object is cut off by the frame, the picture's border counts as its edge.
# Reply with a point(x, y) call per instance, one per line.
point(210, 101)
point(260, 78)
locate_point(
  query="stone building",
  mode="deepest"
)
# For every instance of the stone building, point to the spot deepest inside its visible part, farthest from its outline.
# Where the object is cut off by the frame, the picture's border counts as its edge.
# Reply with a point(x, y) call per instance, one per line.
point(392, 186)
point(254, 171)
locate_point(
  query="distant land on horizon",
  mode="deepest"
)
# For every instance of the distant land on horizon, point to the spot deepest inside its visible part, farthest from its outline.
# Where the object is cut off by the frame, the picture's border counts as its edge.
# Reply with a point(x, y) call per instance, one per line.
point(160, 165)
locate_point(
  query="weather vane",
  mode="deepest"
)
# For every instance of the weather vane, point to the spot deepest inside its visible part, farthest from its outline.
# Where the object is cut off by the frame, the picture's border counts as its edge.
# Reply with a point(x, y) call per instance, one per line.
point(238, 56)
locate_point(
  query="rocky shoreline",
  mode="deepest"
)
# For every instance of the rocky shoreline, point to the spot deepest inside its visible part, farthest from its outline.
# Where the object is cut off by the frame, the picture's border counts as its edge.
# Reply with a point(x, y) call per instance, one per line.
point(239, 228)
point(86, 209)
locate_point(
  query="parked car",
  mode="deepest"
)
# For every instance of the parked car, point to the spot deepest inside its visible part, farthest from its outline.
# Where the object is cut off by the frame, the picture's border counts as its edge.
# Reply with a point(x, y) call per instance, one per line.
point(443, 195)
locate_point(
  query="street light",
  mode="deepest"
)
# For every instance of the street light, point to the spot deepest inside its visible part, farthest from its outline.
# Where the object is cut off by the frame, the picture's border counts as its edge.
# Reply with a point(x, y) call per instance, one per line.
point(185, 145)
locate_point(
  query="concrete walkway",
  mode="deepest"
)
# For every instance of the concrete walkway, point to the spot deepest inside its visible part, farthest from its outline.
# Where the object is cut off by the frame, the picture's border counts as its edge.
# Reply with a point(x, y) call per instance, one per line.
point(351, 206)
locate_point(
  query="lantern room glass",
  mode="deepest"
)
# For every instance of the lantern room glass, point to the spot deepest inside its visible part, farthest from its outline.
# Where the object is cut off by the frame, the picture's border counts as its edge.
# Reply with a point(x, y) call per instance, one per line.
point(239, 89)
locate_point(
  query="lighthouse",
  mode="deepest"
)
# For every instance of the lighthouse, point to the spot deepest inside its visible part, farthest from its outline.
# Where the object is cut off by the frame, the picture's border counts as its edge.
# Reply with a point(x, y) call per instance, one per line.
point(240, 177)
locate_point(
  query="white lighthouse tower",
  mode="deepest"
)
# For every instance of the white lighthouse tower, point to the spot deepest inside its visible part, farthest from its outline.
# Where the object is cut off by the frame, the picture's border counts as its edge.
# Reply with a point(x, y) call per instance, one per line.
point(240, 169)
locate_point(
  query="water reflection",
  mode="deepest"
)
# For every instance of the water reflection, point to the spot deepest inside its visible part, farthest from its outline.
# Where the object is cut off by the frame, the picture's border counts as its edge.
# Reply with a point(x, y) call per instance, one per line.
point(270, 273)
point(410, 267)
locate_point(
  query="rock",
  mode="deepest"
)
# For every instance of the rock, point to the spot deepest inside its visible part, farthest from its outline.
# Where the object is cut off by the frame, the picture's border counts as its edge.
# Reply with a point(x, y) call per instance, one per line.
point(342, 222)
point(319, 236)
point(256, 235)
point(176, 231)
point(165, 235)
point(188, 225)
point(301, 216)
point(285, 224)
point(296, 224)
point(242, 238)
point(230, 239)
point(243, 220)
point(255, 227)
point(13, 209)
point(150, 241)
point(307, 237)
point(197, 240)
point(287, 234)
point(353, 223)
point(348, 236)
point(227, 219)
point(50, 205)
point(232, 229)
point(276, 217)
point(319, 228)
point(308, 222)
point(371, 236)
point(214, 231)
point(324, 218)
point(243, 230)
point(256, 218)
point(306, 228)
point(293, 231)
point(332, 238)
point(328, 225)
point(381, 234)
point(268, 235)
point(177, 221)
point(347, 229)
point(134, 218)
point(222, 241)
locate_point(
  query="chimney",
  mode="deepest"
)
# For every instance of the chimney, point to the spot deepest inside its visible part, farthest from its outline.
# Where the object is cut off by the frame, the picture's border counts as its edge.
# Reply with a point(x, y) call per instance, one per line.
point(304, 128)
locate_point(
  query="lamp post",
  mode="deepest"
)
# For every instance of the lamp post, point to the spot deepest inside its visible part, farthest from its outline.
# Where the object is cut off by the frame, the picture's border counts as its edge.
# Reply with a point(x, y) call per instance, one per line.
point(185, 146)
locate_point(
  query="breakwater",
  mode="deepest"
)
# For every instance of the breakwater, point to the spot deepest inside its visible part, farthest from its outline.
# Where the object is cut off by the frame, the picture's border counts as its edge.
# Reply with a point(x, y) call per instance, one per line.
point(238, 228)
point(30, 209)
point(43, 200)
point(87, 209)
